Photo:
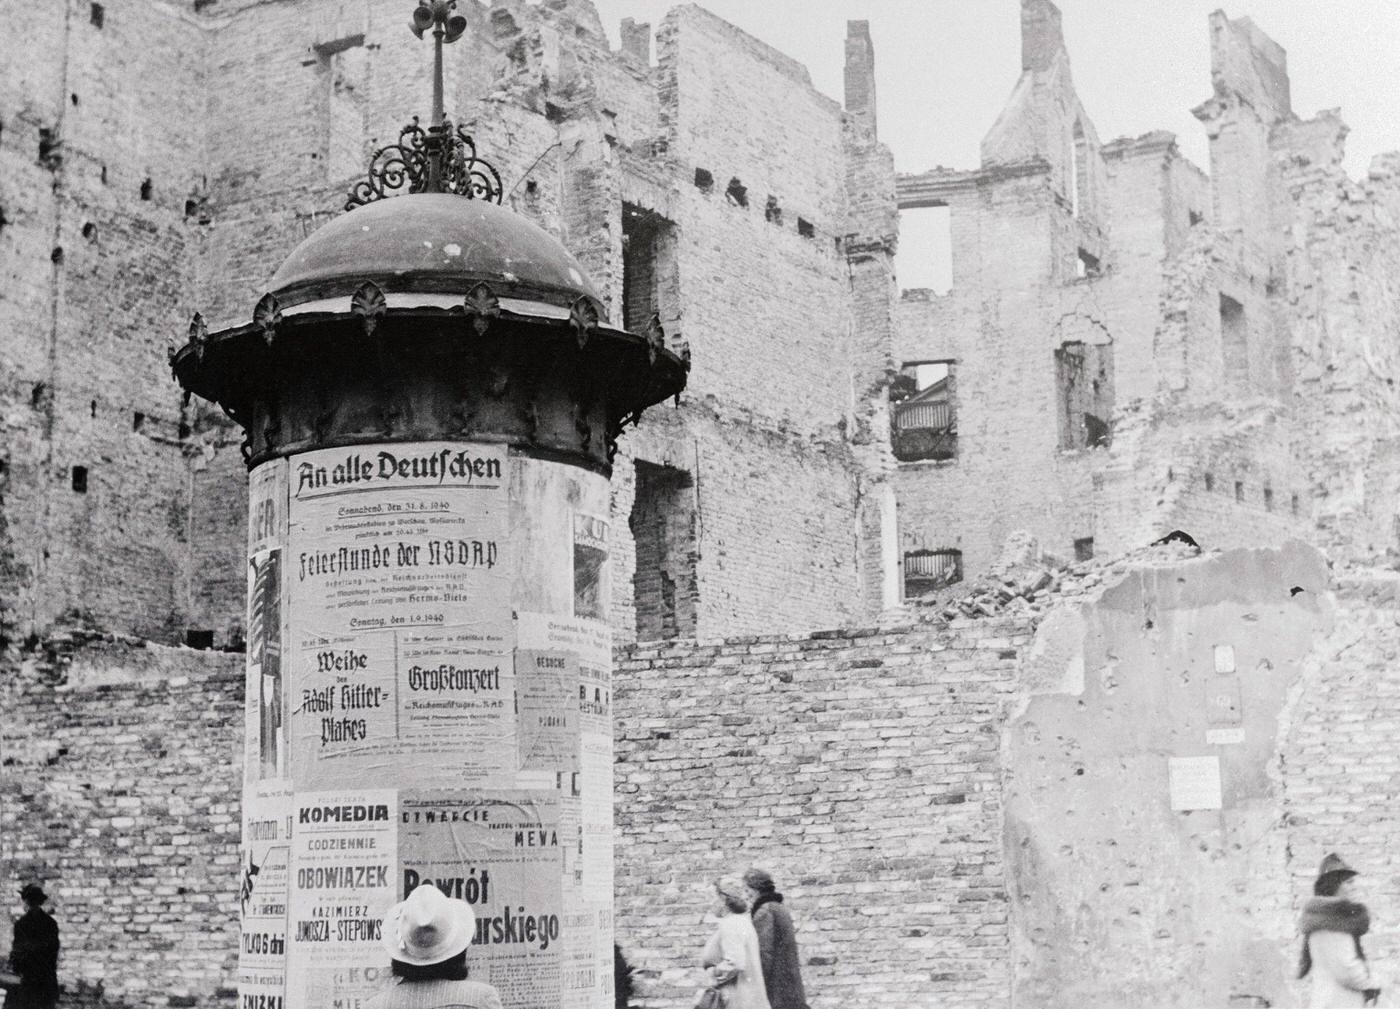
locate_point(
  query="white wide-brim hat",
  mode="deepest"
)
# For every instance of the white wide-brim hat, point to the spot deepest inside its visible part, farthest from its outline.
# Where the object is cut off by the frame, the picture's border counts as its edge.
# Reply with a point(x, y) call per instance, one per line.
point(428, 927)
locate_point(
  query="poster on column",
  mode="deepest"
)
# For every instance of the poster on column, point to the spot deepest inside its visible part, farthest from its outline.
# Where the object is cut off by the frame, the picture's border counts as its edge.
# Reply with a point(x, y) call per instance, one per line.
point(583, 649)
point(344, 862)
point(400, 630)
point(265, 753)
point(501, 852)
point(262, 897)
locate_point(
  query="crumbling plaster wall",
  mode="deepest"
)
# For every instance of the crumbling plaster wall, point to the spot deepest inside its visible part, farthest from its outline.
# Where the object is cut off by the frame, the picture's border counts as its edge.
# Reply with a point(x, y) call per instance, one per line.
point(1114, 889)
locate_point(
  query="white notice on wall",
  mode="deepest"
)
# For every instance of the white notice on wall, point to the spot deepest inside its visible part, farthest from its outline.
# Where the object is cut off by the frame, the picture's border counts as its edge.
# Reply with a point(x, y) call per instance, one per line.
point(1194, 782)
point(1225, 737)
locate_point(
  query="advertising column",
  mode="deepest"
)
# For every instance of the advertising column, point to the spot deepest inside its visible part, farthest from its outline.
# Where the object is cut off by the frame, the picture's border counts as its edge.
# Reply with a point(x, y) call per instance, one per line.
point(432, 703)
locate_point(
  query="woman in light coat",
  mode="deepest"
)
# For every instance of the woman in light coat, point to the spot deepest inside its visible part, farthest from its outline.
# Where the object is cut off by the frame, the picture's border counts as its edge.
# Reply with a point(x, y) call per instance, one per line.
point(1332, 927)
point(731, 957)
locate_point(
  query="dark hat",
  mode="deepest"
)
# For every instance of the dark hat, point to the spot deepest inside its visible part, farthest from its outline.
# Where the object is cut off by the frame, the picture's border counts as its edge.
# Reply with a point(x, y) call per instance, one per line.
point(1333, 864)
point(759, 880)
point(32, 893)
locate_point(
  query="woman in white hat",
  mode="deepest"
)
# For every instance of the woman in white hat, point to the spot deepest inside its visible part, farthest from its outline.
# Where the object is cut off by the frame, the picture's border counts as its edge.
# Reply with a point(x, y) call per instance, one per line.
point(427, 936)
point(732, 956)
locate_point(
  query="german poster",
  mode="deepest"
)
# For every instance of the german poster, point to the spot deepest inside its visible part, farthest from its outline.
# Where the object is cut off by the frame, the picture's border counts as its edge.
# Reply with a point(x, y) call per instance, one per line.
point(401, 616)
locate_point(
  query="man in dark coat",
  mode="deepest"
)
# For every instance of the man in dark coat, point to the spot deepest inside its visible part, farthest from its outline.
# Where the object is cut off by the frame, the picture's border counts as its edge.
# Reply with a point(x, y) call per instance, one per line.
point(777, 942)
point(34, 954)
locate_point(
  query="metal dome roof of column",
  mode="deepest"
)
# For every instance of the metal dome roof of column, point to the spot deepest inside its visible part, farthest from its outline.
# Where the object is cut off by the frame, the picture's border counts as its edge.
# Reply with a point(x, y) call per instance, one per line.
point(433, 268)
point(431, 243)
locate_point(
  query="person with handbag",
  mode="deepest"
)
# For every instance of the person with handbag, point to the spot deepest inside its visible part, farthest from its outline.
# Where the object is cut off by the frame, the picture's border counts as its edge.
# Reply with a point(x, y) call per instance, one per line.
point(1332, 925)
point(34, 954)
point(731, 957)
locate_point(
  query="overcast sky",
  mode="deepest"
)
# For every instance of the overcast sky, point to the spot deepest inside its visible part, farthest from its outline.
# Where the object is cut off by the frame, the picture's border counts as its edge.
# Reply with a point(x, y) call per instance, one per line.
point(944, 68)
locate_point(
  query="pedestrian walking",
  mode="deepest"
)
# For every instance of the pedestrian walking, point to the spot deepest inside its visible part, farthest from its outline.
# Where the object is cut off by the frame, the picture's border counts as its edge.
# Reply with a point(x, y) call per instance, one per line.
point(1332, 926)
point(731, 957)
point(34, 953)
point(427, 937)
point(777, 942)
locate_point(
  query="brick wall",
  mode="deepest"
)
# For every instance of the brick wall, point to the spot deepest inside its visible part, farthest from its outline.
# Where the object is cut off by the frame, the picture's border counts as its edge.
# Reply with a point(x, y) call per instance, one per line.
point(122, 775)
point(1340, 770)
point(859, 767)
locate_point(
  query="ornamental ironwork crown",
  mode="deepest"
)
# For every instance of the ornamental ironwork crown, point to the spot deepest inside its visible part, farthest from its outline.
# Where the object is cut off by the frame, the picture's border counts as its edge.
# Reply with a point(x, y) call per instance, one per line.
point(441, 158)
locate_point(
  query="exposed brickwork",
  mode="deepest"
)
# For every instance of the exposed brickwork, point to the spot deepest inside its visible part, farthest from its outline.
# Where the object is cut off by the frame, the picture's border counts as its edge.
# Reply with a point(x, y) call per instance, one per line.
point(860, 767)
point(1339, 764)
point(122, 767)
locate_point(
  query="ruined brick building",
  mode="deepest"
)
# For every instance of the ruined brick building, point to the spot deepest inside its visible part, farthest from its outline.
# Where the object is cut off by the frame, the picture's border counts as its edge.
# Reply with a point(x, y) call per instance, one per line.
point(1130, 346)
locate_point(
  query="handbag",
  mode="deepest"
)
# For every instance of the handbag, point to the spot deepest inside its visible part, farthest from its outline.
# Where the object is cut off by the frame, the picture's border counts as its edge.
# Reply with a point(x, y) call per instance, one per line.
point(711, 998)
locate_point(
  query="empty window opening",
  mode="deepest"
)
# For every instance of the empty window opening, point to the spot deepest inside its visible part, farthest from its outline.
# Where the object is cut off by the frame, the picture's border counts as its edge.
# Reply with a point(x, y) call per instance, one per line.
point(1268, 499)
point(203, 640)
point(924, 259)
point(923, 412)
point(1234, 338)
point(97, 14)
point(650, 283)
point(1084, 383)
point(102, 175)
point(1086, 265)
point(1239, 490)
point(1079, 171)
point(92, 409)
point(1293, 504)
point(1084, 548)
point(56, 256)
point(138, 421)
point(89, 231)
point(927, 571)
point(74, 99)
point(737, 194)
point(532, 187)
point(1210, 481)
point(1194, 217)
point(344, 71)
point(704, 181)
point(38, 395)
point(805, 229)
point(663, 522)
point(79, 478)
point(772, 213)
point(50, 148)
point(146, 187)
point(3, 219)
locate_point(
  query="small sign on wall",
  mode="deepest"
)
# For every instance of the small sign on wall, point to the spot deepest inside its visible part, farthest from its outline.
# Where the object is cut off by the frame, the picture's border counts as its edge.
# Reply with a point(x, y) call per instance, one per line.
point(1224, 706)
point(1224, 658)
point(1225, 737)
point(1194, 783)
